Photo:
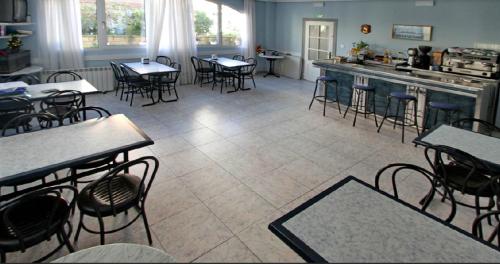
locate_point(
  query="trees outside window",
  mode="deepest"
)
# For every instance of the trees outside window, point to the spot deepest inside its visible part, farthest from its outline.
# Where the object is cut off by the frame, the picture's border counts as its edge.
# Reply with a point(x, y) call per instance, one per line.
point(216, 24)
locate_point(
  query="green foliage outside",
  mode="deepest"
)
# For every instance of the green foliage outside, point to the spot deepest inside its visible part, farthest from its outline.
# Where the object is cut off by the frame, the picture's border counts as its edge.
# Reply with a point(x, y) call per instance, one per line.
point(202, 23)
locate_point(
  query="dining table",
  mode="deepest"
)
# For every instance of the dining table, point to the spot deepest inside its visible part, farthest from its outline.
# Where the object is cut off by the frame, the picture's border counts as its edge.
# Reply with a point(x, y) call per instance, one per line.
point(117, 253)
point(353, 221)
point(483, 147)
point(31, 156)
point(155, 70)
point(230, 64)
point(272, 63)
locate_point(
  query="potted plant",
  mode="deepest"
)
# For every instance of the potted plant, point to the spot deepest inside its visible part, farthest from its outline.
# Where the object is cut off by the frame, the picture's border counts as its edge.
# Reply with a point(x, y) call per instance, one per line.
point(14, 44)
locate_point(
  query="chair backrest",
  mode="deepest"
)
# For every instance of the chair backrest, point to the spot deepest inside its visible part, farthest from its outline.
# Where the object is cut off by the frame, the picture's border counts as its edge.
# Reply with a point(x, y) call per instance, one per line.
point(40, 213)
point(65, 76)
point(494, 231)
point(239, 57)
point(25, 121)
point(399, 170)
point(107, 192)
point(164, 60)
point(442, 158)
point(62, 102)
point(27, 78)
point(15, 104)
point(116, 71)
point(126, 73)
point(484, 127)
point(90, 112)
point(196, 63)
point(175, 75)
point(252, 67)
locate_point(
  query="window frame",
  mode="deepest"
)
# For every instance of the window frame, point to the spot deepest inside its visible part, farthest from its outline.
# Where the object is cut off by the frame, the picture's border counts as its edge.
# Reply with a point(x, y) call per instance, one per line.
point(219, 29)
point(102, 28)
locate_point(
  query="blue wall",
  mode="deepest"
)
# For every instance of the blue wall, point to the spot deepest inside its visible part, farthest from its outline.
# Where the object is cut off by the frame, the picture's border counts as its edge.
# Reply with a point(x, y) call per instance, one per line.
point(455, 22)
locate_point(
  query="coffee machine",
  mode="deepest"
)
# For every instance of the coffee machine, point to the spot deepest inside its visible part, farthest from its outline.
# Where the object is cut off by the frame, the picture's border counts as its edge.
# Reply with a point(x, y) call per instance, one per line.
point(424, 58)
point(412, 57)
point(474, 62)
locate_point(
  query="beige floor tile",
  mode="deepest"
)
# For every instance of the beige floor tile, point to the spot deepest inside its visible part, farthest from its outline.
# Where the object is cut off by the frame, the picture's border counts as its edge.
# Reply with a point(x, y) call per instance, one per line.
point(239, 207)
point(247, 165)
point(201, 136)
point(192, 233)
point(276, 154)
point(232, 251)
point(300, 144)
point(210, 182)
point(266, 245)
point(170, 145)
point(186, 161)
point(249, 141)
point(221, 150)
point(305, 172)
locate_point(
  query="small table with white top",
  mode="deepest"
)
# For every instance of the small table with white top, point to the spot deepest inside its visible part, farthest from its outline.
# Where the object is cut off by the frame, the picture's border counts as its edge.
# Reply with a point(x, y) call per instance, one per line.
point(272, 60)
point(231, 64)
point(117, 253)
point(478, 145)
point(152, 68)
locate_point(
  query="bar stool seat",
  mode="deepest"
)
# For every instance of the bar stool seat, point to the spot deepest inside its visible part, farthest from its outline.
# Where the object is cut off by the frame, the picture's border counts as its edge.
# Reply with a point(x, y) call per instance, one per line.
point(444, 106)
point(325, 80)
point(402, 96)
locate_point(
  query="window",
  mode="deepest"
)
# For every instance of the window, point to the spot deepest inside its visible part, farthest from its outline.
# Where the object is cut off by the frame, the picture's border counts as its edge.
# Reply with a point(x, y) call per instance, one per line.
point(122, 21)
point(216, 24)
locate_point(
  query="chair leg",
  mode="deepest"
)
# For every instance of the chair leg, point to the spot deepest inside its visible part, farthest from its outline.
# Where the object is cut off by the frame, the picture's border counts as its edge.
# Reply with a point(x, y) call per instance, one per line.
point(132, 98)
point(253, 80)
point(349, 104)
point(79, 228)
point(314, 95)
point(67, 242)
point(101, 229)
point(146, 225)
point(416, 116)
point(325, 90)
point(426, 117)
point(397, 114)
point(385, 114)
point(404, 122)
point(374, 110)
point(337, 98)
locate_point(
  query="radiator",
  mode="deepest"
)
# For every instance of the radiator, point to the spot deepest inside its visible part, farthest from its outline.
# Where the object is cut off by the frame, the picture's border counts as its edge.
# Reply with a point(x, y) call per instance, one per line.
point(290, 66)
point(101, 78)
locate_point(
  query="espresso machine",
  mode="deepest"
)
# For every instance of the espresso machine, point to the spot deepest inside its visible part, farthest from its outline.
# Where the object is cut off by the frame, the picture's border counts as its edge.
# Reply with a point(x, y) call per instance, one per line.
point(424, 58)
point(474, 62)
point(412, 57)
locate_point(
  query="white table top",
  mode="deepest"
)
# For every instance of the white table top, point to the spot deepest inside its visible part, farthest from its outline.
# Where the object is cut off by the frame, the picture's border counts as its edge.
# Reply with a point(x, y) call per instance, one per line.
point(27, 70)
point(228, 63)
point(117, 253)
point(10, 85)
point(478, 145)
point(31, 155)
point(36, 91)
point(151, 68)
point(355, 223)
point(271, 57)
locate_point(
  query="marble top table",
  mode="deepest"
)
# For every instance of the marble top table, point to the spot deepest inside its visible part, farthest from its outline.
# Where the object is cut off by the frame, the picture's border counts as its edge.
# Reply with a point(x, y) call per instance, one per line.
point(228, 63)
point(150, 68)
point(28, 70)
point(33, 155)
point(117, 253)
point(478, 145)
point(354, 222)
point(41, 91)
point(272, 59)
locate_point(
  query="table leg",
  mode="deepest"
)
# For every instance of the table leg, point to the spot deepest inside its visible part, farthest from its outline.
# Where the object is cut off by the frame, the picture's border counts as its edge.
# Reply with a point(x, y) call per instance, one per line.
point(271, 69)
point(125, 160)
point(152, 97)
point(84, 104)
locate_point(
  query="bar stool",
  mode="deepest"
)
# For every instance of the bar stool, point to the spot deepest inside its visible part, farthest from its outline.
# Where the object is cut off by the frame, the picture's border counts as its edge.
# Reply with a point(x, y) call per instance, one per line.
point(359, 90)
point(448, 108)
point(403, 99)
point(325, 80)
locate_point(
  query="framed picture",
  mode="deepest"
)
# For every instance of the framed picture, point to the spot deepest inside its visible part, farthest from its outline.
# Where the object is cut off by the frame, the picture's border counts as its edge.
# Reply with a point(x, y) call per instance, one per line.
point(412, 32)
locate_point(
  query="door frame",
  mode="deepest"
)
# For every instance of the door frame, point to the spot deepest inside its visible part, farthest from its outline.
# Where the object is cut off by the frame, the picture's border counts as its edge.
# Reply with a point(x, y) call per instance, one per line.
point(304, 21)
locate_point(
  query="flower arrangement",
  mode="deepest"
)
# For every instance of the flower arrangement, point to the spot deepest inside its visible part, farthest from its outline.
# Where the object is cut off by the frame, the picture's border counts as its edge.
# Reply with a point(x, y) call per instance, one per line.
point(259, 49)
point(14, 44)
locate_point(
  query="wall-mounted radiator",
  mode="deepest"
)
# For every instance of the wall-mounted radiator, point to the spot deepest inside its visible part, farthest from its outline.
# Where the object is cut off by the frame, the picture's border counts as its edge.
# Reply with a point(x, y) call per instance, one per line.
point(101, 77)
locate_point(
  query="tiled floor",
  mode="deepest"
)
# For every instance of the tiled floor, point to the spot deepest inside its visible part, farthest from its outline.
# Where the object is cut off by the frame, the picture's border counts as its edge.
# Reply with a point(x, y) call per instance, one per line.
point(232, 163)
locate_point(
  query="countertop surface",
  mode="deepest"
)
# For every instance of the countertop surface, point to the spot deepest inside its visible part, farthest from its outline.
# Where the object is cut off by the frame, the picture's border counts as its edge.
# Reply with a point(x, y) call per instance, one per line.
point(417, 76)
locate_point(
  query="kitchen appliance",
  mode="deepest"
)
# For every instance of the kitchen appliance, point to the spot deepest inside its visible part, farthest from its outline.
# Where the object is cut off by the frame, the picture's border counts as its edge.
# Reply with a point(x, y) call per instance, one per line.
point(475, 62)
point(13, 11)
point(412, 57)
point(424, 58)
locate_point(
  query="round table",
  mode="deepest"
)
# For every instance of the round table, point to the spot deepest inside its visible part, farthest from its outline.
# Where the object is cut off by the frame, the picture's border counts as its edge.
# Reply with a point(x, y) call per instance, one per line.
point(272, 59)
point(117, 253)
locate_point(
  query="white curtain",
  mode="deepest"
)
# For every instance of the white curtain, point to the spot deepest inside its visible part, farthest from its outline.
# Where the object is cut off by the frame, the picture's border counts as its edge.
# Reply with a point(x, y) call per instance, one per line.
point(248, 30)
point(60, 34)
point(170, 32)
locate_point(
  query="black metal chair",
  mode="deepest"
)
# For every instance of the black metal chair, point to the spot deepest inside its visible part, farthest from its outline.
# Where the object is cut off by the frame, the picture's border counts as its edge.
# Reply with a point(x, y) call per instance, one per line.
point(362, 90)
point(404, 100)
point(134, 84)
point(13, 106)
point(115, 193)
point(65, 75)
point(168, 82)
point(325, 80)
point(460, 171)
point(247, 72)
point(119, 78)
point(202, 70)
point(223, 76)
point(239, 57)
point(427, 176)
point(27, 78)
point(61, 103)
point(164, 60)
point(34, 218)
point(484, 127)
point(479, 232)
